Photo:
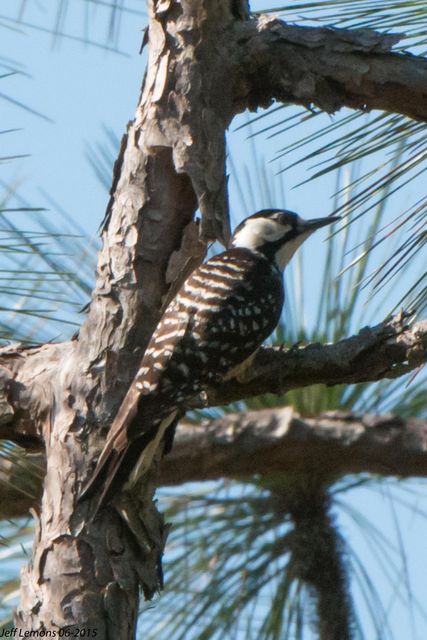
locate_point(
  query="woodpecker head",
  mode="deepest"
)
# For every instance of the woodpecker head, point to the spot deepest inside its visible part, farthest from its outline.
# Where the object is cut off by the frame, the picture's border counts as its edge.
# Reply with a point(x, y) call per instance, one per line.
point(276, 233)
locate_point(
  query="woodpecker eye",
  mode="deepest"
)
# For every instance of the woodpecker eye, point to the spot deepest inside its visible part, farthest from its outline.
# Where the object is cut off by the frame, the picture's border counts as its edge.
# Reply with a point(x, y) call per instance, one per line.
point(286, 219)
point(270, 229)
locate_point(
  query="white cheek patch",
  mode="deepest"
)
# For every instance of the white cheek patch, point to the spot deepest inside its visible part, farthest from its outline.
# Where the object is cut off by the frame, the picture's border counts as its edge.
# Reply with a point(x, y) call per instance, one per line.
point(284, 254)
point(255, 232)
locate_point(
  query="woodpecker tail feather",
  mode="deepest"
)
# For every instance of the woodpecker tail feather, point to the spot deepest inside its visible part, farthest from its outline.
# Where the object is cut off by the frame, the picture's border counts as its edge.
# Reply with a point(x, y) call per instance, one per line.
point(119, 464)
point(111, 473)
point(115, 447)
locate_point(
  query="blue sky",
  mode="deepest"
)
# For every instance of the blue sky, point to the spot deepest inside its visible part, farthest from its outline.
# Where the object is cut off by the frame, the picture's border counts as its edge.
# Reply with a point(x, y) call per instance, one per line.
point(78, 90)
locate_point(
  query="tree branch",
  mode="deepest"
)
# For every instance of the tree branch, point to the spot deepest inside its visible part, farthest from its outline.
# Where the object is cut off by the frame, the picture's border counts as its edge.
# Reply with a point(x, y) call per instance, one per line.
point(204, 67)
point(388, 350)
point(239, 64)
point(330, 68)
point(266, 442)
point(275, 441)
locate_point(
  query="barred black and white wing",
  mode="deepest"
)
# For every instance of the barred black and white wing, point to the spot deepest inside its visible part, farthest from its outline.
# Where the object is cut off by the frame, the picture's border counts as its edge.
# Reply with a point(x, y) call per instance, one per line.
point(220, 316)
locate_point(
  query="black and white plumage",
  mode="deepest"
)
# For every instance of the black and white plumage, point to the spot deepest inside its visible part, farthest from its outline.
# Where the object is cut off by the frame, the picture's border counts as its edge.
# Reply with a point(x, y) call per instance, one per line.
point(219, 318)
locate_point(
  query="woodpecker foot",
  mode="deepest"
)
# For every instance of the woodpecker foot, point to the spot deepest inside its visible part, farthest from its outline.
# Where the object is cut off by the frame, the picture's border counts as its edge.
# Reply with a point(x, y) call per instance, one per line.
point(295, 347)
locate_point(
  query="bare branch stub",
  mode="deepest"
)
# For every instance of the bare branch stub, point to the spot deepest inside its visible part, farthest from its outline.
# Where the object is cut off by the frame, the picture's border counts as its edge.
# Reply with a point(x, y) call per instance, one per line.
point(27, 380)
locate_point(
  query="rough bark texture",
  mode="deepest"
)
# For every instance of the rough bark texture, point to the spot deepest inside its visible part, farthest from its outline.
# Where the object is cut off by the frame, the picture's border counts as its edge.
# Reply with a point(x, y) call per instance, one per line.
point(271, 442)
point(330, 68)
point(388, 350)
point(86, 574)
point(205, 65)
point(267, 443)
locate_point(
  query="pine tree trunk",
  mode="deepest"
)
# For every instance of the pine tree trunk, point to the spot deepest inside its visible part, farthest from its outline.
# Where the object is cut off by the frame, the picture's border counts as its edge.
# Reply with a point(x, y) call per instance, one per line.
point(83, 574)
point(207, 62)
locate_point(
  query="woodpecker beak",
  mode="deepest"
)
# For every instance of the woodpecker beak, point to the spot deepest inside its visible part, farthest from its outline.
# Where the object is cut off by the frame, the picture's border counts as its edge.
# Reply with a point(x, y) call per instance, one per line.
point(317, 223)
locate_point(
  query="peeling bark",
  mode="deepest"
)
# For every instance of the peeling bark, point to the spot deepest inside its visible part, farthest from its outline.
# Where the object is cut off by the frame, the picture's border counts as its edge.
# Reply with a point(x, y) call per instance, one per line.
point(151, 208)
point(205, 65)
